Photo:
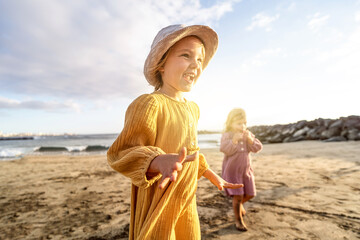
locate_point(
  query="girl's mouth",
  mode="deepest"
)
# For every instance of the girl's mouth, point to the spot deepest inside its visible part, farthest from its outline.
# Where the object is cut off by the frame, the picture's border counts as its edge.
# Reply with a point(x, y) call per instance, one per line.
point(189, 77)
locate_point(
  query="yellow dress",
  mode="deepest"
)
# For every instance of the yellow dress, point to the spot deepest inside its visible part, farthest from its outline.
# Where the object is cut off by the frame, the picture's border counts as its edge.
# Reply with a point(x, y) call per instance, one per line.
point(157, 124)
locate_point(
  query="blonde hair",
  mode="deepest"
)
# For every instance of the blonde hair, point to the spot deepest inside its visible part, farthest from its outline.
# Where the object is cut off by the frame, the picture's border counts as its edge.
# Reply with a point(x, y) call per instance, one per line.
point(156, 70)
point(235, 114)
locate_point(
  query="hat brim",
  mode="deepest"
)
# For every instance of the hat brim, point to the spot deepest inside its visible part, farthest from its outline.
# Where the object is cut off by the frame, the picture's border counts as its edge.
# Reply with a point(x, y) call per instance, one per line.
point(205, 33)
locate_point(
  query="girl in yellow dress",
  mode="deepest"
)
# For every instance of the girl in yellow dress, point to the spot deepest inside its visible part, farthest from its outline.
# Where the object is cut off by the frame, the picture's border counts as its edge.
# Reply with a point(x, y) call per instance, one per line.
point(158, 148)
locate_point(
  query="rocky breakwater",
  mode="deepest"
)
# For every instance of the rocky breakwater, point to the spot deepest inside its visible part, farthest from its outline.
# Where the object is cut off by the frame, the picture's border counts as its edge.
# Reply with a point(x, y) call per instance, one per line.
point(342, 129)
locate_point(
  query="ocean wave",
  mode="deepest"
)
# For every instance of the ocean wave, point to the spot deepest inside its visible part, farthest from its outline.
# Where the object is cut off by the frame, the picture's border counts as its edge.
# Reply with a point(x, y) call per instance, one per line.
point(76, 148)
point(9, 154)
point(93, 148)
point(52, 149)
point(89, 148)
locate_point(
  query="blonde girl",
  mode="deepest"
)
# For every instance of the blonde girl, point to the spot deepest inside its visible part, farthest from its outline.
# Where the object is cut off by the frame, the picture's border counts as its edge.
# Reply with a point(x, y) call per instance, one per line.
point(158, 148)
point(236, 143)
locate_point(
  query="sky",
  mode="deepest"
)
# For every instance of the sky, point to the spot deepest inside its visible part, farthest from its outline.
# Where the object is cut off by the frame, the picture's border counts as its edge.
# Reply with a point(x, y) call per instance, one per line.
point(75, 66)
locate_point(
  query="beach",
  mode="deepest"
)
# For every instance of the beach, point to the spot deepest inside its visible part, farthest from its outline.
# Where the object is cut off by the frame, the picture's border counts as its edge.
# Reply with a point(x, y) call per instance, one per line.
point(305, 190)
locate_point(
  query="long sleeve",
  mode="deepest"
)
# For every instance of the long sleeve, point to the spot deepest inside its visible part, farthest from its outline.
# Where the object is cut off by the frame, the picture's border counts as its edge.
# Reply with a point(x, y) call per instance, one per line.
point(226, 145)
point(203, 165)
point(256, 146)
point(133, 150)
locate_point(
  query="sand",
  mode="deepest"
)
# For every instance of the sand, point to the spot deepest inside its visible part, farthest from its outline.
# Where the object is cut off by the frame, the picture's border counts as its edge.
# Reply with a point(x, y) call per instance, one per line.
point(306, 190)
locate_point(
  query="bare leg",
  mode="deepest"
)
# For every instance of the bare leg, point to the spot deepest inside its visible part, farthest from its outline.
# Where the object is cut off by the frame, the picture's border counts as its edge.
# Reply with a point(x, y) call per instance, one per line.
point(244, 200)
point(242, 210)
point(237, 205)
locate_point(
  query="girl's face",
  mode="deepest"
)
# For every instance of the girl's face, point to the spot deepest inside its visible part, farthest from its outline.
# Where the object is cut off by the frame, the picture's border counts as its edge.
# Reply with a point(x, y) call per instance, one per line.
point(183, 66)
point(238, 125)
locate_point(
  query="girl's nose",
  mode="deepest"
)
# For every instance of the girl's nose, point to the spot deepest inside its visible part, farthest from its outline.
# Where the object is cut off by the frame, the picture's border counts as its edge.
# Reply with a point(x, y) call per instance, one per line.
point(196, 64)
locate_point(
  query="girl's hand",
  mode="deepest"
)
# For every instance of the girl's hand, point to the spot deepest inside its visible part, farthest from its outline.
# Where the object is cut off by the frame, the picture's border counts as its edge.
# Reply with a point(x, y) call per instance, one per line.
point(224, 184)
point(219, 182)
point(249, 136)
point(169, 165)
point(237, 137)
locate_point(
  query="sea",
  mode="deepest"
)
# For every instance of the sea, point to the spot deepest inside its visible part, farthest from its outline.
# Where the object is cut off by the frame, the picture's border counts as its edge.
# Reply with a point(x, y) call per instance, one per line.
point(86, 144)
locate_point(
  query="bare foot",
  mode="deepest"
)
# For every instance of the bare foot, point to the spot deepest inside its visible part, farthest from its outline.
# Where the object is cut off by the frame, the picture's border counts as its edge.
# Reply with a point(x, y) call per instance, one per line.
point(240, 225)
point(242, 210)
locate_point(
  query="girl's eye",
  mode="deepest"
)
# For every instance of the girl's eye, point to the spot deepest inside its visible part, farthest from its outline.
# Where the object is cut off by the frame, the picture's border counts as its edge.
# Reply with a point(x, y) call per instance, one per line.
point(185, 55)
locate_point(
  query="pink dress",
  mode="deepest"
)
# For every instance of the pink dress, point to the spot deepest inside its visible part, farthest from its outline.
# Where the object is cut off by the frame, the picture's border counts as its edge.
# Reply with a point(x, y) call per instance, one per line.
point(237, 164)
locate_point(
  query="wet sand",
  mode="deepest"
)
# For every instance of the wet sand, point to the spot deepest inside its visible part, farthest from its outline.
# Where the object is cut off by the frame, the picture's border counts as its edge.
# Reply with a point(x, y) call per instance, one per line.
point(306, 190)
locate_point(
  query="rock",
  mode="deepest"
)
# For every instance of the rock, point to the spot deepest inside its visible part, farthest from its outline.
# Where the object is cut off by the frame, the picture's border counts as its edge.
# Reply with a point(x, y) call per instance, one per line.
point(320, 129)
point(301, 132)
point(275, 139)
point(319, 121)
point(312, 124)
point(344, 133)
point(300, 124)
point(329, 133)
point(342, 129)
point(288, 131)
point(335, 139)
point(352, 122)
point(287, 139)
point(312, 134)
point(337, 124)
point(260, 136)
point(353, 134)
point(275, 129)
point(294, 139)
point(327, 122)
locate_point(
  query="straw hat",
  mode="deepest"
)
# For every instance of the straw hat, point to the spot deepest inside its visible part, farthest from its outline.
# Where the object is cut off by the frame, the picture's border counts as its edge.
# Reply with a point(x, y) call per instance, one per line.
point(168, 36)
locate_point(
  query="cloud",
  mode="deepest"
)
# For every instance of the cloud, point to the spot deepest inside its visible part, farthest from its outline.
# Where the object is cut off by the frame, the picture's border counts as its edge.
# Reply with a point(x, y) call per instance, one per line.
point(82, 49)
point(317, 21)
point(343, 60)
point(191, 11)
point(262, 58)
point(357, 17)
point(292, 6)
point(6, 103)
point(261, 20)
point(335, 65)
